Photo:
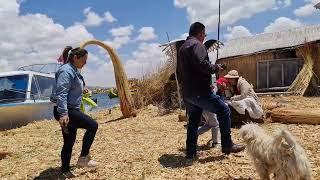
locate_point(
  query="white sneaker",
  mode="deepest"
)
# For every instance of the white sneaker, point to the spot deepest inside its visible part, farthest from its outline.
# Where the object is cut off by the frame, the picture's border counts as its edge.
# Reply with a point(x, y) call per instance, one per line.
point(86, 161)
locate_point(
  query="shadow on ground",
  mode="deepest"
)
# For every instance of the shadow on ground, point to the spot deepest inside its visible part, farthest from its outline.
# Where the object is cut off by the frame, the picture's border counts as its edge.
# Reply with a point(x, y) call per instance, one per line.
point(115, 120)
point(211, 159)
point(51, 173)
point(179, 161)
point(172, 161)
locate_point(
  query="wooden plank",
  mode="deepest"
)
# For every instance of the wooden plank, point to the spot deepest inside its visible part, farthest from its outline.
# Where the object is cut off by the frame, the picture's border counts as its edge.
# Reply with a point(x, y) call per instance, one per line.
point(275, 93)
point(296, 116)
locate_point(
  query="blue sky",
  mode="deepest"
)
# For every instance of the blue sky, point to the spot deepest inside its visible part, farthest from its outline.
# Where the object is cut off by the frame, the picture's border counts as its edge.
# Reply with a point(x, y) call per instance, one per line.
point(35, 31)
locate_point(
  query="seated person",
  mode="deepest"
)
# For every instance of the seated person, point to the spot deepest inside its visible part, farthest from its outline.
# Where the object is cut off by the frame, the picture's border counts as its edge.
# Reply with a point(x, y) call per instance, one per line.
point(246, 99)
point(243, 88)
point(224, 89)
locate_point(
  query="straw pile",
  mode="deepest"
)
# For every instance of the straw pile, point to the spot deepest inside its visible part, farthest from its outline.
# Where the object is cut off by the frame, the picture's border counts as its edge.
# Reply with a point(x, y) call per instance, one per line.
point(303, 79)
point(150, 88)
point(147, 147)
point(126, 102)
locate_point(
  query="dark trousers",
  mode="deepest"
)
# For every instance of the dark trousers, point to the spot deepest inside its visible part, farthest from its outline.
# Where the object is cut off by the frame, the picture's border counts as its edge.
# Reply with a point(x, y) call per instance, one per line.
point(77, 119)
point(212, 103)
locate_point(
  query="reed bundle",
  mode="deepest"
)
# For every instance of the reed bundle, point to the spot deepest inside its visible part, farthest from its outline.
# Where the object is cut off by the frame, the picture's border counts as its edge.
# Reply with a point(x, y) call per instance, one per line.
point(126, 101)
point(303, 79)
point(286, 115)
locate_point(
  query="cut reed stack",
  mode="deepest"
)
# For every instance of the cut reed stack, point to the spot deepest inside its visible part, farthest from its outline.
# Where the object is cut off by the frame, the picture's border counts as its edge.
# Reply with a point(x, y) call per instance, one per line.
point(126, 102)
point(304, 80)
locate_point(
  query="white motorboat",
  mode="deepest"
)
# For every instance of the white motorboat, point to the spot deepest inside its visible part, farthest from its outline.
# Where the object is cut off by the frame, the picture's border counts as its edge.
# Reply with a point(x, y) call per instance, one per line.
point(24, 97)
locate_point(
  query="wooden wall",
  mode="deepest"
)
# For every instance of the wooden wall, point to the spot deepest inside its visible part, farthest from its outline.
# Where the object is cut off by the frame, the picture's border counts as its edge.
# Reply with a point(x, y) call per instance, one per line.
point(246, 65)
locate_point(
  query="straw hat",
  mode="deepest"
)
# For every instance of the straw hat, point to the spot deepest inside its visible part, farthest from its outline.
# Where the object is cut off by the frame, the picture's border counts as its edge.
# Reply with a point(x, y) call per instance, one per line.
point(232, 74)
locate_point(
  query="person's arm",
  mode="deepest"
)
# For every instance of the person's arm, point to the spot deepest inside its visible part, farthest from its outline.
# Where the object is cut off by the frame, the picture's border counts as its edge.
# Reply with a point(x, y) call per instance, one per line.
point(202, 62)
point(244, 91)
point(63, 87)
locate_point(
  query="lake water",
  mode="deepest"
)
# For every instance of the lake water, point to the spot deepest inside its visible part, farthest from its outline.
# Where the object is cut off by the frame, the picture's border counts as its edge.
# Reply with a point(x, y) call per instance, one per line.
point(104, 102)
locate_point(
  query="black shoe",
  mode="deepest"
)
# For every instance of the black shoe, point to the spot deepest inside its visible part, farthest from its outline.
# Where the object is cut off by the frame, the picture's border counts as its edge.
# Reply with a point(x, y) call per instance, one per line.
point(235, 148)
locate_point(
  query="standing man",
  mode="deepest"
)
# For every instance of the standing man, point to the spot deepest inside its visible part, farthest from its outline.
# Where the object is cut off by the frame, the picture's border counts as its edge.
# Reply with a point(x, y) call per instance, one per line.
point(194, 74)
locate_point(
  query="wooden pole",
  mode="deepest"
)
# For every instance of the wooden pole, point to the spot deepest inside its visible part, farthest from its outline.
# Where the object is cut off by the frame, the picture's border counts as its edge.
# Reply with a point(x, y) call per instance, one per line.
point(175, 71)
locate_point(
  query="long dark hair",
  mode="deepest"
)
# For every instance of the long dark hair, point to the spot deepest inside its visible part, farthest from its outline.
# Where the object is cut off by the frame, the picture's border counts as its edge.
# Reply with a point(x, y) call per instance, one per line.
point(68, 53)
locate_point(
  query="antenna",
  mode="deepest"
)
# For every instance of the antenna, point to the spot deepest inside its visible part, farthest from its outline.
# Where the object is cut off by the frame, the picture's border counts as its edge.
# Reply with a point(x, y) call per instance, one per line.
point(218, 29)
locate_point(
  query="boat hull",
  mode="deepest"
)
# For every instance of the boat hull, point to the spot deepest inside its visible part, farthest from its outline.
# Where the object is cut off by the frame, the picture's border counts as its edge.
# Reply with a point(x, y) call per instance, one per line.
point(20, 114)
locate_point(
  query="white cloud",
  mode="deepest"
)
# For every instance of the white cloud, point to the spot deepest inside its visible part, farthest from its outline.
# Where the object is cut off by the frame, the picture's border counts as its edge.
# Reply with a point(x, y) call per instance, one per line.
point(35, 39)
point(305, 10)
point(146, 59)
point(237, 32)
point(287, 2)
point(146, 33)
point(42, 41)
point(93, 19)
point(184, 35)
point(122, 31)
point(121, 36)
point(118, 41)
point(21, 1)
point(231, 11)
point(282, 3)
point(282, 24)
point(109, 18)
point(104, 71)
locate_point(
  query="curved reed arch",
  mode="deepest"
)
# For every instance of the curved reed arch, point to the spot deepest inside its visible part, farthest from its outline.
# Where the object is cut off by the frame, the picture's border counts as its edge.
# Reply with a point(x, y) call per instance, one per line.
point(126, 102)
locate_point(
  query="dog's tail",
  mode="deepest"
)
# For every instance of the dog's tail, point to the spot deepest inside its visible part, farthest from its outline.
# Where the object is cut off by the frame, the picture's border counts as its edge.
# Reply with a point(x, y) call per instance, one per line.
point(289, 138)
point(290, 147)
point(285, 139)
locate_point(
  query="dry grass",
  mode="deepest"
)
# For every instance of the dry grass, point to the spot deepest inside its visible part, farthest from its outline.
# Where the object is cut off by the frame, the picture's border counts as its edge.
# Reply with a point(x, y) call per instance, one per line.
point(150, 88)
point(148, 146)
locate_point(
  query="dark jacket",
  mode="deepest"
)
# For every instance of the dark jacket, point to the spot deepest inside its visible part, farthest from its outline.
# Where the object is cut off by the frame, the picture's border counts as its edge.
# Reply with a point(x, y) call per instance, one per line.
point(194, 69)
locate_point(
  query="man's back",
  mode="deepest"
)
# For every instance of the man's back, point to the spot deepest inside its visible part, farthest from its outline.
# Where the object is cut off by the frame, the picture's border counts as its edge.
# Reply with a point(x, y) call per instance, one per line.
point(193, 69)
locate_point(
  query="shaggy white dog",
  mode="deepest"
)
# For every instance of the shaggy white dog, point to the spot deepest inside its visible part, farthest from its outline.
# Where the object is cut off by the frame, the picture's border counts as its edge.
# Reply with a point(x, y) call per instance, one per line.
point(280, 154)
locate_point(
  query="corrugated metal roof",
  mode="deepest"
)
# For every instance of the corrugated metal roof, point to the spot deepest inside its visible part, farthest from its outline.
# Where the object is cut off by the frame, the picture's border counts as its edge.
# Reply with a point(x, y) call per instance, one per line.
point(268, 41)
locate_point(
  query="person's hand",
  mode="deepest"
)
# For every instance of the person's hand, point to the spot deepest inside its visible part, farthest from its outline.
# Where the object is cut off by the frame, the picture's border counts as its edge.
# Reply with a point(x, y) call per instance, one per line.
point(64, 121)
point(220, 68)
point(85, 90)
point(232, 98)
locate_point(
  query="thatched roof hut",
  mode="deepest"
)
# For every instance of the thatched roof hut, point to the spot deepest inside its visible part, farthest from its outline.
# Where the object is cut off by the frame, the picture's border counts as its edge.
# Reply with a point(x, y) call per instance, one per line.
point(270, 41)
point(272, 60)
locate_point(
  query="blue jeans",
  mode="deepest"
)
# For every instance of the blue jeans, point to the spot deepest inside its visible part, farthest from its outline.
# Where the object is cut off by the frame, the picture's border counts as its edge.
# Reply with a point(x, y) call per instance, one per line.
point(212, 103)
point(77, 119)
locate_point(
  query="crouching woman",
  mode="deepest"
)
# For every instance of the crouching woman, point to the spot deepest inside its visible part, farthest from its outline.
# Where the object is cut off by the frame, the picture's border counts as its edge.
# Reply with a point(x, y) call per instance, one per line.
point(67, 94)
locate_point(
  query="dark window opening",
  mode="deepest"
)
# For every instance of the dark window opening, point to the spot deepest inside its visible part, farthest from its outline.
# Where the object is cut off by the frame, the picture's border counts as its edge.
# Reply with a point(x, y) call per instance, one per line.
point(278, 73)
point(13, 88)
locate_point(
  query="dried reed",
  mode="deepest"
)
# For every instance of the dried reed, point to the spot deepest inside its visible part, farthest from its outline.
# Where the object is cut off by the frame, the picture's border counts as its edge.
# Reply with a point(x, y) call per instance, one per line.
point(303, 79)
point(126, 102)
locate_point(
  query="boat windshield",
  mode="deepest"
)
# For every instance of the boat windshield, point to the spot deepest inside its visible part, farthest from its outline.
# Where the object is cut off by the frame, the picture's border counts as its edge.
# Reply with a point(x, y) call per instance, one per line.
point(13, 88)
